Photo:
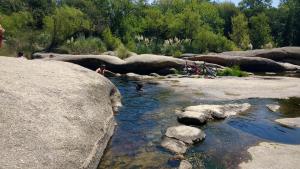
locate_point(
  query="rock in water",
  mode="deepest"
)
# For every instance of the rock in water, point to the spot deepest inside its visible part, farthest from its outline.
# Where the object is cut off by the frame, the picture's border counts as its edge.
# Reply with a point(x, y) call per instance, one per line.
point(54, 115)
point(220, 111)
point(174, 145)
point(273, 107)
point(186, 134)
point(289, 122)
point(185, 165)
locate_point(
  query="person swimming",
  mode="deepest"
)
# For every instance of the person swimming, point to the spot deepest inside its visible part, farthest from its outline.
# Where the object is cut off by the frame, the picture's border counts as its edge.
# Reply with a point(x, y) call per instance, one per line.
point(139, 87)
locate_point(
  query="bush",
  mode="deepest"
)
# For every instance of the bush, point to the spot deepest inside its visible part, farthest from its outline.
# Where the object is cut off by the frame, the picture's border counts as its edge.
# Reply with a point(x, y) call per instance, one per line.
point(84, 46)
point(233, 71)
point(122, 52)
point(110, 40)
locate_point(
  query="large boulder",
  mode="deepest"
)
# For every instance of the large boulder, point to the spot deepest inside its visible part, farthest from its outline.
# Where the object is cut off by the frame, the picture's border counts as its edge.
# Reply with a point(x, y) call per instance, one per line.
point(251, 64)
point(54, 115)
point(284, 54)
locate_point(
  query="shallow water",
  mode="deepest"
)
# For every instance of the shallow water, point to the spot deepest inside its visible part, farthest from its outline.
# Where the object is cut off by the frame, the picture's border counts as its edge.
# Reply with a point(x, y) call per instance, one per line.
point(146, 115)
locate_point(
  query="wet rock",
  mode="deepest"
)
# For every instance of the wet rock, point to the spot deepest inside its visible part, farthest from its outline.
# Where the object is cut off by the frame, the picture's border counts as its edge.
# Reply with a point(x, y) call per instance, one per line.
point(185, 165)
point(273, 107)
point(202, 113)
point(174, 145)
point(54, 114)
point(133, 76)
point(193, 117)
point(289, 122)
point(186, 134)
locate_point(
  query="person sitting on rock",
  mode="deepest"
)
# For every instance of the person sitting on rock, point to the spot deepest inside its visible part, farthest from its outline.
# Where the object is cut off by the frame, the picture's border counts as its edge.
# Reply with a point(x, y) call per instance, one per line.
point(103, 71)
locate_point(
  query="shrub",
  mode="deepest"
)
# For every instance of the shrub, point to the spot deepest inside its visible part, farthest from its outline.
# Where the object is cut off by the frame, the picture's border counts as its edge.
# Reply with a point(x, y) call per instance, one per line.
point(233, 71)
point(122, 52)
point(84, 46)
point(110, 40)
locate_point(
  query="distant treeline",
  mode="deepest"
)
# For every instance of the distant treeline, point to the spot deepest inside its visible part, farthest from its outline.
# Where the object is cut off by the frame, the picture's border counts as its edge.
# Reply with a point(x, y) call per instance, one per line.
point(168, 27)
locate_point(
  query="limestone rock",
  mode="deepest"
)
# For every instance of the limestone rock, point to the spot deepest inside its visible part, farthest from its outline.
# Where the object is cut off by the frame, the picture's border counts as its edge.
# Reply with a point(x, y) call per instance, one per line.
point(289, 122)
point(185, 165)
point(186, 134)
point(54, 114)
point(174, 145)
point(273, 156)
point(201, 113)
point(273, 107)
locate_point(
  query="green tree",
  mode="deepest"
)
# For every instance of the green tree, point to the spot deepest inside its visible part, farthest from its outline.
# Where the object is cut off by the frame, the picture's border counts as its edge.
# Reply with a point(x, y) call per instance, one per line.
point(65, 23)
point(240, 31)
point(254, 7)
point(260, 30)
point(227, 11)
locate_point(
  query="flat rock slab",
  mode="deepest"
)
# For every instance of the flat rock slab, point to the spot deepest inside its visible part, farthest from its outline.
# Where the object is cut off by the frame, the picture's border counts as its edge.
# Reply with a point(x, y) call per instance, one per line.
point(185, 165)
point(53, 115)
point(186, 134)
point(174, 145)
point(289, 122)
point(201, 113)
point(273, 107)
point(273, 156)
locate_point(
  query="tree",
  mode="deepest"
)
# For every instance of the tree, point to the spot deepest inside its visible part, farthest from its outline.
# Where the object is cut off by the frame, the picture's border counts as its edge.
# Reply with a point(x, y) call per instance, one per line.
point(240, 31)
point(65, 23)
point(253, 7)
point(227, 11)
point(260, 30)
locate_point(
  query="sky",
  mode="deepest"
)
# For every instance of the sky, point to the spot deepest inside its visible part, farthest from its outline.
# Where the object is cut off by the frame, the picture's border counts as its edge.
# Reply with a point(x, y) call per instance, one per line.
point(275, 2)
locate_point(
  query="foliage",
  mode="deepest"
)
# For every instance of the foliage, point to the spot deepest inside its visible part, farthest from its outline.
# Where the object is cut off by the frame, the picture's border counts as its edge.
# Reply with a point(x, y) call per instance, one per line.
point(260, 30)
point(240, 32)
point(110, 40)
point(65, 23)
point(84, 46)
point(122, 52)
point(198, 25)
point(233, 71)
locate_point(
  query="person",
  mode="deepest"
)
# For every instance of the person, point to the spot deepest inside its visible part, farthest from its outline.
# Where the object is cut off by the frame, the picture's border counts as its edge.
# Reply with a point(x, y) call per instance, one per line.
point(139, 87)
point(103, 71)
point(1, 35)
point(20, 55)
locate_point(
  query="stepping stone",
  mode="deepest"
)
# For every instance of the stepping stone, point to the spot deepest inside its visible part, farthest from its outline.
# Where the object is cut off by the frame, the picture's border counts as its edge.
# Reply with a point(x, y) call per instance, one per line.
point(174, 145)
point(289, 122)
point(186, 134)
point(273, 107)
point(185, 165)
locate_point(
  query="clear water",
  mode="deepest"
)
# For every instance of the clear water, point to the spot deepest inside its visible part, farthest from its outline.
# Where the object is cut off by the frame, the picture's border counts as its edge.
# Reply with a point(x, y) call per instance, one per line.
point(146, 115)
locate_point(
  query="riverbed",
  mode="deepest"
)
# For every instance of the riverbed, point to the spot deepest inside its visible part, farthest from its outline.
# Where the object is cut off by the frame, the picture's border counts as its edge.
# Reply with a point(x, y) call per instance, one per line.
point(146, 115)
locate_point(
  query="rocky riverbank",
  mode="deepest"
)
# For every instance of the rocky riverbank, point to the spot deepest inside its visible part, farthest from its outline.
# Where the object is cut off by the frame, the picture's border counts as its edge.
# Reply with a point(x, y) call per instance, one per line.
point(54, 115)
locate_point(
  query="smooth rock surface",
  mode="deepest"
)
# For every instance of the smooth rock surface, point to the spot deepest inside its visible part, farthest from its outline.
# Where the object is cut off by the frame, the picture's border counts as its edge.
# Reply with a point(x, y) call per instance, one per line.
point(54, 115)
point(186, 134)
point(202, 113)
point(174, 145)
point(273, 107)
point(193, 117)
point(289, 122)
point(273, 156)
point(185, 165)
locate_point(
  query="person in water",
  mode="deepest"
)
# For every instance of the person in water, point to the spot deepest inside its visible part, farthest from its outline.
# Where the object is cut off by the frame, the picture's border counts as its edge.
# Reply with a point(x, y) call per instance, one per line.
point(139, 87)
point(103, 71)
